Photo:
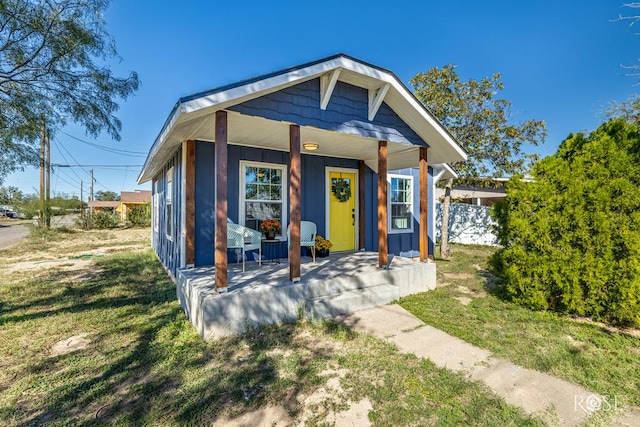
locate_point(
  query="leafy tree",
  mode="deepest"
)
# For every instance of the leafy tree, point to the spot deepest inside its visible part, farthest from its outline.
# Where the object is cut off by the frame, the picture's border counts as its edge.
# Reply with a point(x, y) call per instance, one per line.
point(10, 195)
point(634, 70)
point(52, 66)
point(571, 238)
point(106, 196)
point(628, 110)
point(482, 123)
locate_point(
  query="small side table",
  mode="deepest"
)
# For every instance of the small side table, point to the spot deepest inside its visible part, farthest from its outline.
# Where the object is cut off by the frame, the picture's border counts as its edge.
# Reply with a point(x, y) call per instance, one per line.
point(270, 250)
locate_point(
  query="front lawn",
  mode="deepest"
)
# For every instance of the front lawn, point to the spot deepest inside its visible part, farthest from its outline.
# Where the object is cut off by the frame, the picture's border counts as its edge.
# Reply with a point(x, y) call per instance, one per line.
point(466, 305)
point(92, 334)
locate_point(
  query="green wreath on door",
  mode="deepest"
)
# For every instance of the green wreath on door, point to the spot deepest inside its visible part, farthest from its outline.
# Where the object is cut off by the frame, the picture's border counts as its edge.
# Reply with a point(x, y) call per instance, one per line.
point(341, 188)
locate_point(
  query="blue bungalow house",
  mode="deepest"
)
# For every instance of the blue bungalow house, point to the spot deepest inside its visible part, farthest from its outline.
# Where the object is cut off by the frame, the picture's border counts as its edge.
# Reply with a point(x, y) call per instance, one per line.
point(337, 142)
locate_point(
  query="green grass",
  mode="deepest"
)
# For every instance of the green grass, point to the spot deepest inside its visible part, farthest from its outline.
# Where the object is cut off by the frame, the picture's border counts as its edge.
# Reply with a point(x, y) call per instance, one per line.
point(144, 364)
point(602, 359)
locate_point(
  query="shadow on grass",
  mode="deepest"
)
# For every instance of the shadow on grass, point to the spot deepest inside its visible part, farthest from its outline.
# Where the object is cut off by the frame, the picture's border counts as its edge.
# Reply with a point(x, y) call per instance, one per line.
point(149, 365)
point(117, 282)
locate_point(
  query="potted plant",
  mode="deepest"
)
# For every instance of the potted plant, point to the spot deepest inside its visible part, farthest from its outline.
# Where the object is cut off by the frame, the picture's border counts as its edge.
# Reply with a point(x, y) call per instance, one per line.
point(270, 227)
point(322, 247)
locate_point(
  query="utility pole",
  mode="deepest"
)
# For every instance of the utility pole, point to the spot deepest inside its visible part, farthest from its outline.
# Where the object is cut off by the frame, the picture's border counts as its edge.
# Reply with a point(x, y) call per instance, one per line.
point(81, 202)
point(41, 213)
point(91, 194)
point(48, 182)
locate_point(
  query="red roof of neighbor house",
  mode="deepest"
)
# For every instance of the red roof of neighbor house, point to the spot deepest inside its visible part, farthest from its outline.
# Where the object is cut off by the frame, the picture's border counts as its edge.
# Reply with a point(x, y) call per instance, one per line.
point(103, 204)
point(138, 196)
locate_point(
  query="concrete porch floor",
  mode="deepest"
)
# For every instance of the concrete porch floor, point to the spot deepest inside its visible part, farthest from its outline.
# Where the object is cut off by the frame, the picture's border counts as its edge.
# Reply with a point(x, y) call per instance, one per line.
point(339, 284)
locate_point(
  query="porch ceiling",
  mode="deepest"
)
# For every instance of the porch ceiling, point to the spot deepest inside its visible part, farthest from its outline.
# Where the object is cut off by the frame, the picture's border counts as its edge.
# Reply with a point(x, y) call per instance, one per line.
point(252, 131)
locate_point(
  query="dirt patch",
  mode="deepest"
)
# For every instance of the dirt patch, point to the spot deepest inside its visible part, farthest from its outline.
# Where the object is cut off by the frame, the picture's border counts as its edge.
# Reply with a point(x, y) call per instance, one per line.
point(356, 415)
point(634, 332)
point(63, 264)
point(329, 404)
point(464, 300)
point(574, 342)
point(69, 345)
point(269, 416)
point(459, 276)
point(472, 293)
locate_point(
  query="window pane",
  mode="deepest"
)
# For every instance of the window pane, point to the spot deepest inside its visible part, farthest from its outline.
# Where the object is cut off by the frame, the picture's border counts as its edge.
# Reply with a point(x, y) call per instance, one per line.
point(400, 216)
point(250, 175)
point(276, 192)
point(263, 194)
point(263, 175)
point(251, 192)
point(256, 212)
point(276, 176)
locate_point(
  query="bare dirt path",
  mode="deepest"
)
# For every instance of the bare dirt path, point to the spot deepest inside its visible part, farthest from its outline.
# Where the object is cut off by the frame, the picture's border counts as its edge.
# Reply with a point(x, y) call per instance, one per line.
point(11, 234)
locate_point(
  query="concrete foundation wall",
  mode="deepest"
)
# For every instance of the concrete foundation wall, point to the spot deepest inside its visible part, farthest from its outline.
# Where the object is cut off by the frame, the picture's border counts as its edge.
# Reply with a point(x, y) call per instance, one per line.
point(217, 315)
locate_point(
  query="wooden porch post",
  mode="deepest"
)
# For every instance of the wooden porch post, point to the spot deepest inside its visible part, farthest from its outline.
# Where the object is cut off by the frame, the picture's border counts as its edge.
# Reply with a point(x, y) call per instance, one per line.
point(294, 203)
point(383, 250)
point(361, 204)
point(190, 204)
point(221, 201)
point(424, 204)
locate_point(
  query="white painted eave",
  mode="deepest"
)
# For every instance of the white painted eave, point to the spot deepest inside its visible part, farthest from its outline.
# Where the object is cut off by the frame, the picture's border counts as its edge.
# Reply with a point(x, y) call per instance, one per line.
point(192, 116)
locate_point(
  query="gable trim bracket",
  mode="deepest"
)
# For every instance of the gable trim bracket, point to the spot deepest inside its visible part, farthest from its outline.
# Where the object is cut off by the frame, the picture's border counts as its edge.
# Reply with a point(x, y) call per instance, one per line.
point(327, 84)
point(376, 96)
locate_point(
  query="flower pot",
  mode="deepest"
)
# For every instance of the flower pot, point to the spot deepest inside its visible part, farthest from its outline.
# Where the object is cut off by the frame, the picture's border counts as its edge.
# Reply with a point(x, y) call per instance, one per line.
point(322, 253)
point(271, 235)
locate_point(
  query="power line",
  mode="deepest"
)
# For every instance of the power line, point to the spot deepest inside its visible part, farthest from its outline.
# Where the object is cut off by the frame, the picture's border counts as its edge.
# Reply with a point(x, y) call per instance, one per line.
point(107, 148)
point(68, 176)
point(96, 166)
point(55, 141)
point(62, 179)
point(81, 166)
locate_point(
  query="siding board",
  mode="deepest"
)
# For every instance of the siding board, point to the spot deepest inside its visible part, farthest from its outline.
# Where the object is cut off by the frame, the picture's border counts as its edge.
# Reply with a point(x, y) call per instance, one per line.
point(347, 112)
point(168, 249)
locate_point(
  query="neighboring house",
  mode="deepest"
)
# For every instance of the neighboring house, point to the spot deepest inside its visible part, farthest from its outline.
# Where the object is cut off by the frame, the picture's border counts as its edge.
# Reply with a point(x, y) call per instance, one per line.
point(128, 199)
point(272, 146)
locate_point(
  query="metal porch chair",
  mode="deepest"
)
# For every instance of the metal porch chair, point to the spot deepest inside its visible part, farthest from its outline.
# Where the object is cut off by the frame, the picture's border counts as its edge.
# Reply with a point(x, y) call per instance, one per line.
point(245, 239)
point(307, 236)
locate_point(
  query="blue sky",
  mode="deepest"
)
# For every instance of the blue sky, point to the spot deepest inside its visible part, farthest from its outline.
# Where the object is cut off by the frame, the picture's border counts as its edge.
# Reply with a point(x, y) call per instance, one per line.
point(560, 60)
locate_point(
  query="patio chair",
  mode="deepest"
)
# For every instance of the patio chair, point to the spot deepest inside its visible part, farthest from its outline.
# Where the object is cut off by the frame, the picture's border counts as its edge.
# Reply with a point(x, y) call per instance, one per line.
point(245, 239)
point(307, 236)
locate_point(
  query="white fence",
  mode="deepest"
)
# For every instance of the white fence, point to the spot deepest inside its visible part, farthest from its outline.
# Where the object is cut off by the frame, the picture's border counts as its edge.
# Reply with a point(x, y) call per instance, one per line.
point(468, 224)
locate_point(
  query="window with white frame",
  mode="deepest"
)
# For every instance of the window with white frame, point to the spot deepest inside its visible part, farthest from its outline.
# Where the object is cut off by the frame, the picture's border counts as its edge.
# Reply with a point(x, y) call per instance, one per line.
point(400, 203)
point(156, 214)
point(168, 197)
point(262, 194)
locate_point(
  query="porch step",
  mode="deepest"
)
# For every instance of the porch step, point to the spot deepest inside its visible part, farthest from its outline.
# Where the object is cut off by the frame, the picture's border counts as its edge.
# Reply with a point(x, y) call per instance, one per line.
point(330, 305)
point(343, 284)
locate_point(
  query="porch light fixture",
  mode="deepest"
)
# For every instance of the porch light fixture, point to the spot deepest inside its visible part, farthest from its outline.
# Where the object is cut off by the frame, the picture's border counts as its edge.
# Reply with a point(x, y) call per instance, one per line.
point(310, 146)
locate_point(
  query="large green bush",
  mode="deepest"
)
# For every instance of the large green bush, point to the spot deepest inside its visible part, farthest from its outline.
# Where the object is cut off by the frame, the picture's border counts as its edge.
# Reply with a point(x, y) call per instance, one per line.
point(101, 219)
point(571, 238)
point(139, 215)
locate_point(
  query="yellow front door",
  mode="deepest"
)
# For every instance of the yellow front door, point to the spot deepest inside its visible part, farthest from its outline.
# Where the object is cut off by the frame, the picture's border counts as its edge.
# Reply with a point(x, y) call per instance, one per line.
point(342, 210)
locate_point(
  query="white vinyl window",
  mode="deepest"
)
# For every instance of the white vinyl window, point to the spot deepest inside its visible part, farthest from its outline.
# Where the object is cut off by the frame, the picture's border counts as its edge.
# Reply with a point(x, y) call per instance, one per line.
point(400, 203)
point(263, 194)
point(156, 214)
point(169, 203)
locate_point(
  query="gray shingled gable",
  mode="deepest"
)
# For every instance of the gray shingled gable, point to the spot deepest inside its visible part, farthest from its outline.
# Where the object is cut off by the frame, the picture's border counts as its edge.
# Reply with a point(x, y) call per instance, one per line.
point(346, 112)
